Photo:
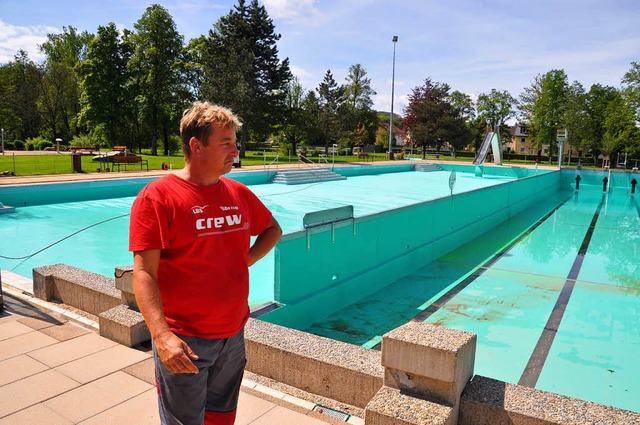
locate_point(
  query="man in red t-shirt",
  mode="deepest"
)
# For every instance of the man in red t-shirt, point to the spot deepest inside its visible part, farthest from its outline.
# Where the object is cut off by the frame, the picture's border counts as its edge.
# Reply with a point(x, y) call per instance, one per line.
point(190, 234)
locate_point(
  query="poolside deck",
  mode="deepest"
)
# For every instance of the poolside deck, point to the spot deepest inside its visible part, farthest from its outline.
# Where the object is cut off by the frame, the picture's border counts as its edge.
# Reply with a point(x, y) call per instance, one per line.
point(54, 370)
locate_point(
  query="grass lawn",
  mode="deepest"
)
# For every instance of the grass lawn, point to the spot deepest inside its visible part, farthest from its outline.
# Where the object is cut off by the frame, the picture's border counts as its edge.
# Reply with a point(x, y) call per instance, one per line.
point(27, 165)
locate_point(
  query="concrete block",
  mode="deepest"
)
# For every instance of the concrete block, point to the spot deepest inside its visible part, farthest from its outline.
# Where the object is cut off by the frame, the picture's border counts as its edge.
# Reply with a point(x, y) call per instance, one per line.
point(124, 278)
point(391, 407)
point(79, 288)
point(43, 283)
point(488, 401)
point(428, 360)
point(124, 325)
point(333, 369)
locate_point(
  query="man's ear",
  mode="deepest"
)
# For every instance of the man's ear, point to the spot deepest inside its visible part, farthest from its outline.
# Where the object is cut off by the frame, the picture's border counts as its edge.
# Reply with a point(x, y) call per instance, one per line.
point(194, 145)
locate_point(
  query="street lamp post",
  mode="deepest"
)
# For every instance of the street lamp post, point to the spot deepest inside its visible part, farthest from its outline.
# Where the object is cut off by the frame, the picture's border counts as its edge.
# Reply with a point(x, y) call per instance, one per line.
point(2, 131)
point(393, 77)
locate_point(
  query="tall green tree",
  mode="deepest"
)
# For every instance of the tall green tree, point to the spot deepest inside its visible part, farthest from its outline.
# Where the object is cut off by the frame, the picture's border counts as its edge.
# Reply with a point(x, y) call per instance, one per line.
point(544, 107)
point(60, 88)
point(432, 120)
point(243, 72)
point(332, 101)
point(496, 107)
point(631, 87)
point(463, 103)
point(359, 121)
point(106, 100)
point(19, 90)
point(293, 126)
point(576, 119)
point(598, 99)
point(157, 49)
point(621, 131)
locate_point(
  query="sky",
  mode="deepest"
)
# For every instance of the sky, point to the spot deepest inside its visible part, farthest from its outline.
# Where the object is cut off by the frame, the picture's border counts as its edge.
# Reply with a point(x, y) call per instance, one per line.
point(474, 46)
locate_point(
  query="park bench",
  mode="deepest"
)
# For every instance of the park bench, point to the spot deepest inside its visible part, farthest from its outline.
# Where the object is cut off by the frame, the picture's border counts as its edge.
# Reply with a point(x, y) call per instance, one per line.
point(363, 156)
point(85, 149)
point(128, 159)
point(120, 148)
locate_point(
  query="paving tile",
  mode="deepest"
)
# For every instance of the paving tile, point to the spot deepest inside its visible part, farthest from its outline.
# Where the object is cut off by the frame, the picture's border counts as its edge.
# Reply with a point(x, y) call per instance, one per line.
point(282, 416)
point(65, 331)
point(73, 349)
point(101, 363)
point(37, 324)
point(34, 389)
point(11, 329)
point(19, 367)
point(23, 344)
point(6, 317)
point(144, 370)
point(36, 414)
point(97, 396)
point(140, 410)
point(251, 408)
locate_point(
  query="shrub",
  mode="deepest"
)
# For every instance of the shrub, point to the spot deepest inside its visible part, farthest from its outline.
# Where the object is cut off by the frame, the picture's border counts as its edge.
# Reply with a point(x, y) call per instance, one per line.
point(18, 145)
point(31, 146)
point(44, 144)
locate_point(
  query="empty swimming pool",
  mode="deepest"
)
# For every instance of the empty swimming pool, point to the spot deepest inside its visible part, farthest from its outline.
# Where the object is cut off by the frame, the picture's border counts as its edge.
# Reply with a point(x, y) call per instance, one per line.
point(497, 258)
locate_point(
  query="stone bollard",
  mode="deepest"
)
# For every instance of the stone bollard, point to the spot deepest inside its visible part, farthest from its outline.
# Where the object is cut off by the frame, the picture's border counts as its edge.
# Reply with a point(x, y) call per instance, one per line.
point(426, 370)
point(124, 323)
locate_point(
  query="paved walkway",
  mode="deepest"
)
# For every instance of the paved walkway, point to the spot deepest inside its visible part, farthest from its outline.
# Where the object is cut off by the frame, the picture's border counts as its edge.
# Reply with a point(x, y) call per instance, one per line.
point(54, 371)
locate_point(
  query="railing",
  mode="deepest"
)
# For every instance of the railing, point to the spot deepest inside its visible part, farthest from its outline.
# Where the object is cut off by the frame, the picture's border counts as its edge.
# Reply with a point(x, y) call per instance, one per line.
point(276, 160)
point(308, 162)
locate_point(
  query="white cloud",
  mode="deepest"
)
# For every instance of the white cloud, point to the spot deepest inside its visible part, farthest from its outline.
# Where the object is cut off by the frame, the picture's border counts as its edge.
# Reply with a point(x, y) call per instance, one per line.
point(14, 38)
point(292, 10)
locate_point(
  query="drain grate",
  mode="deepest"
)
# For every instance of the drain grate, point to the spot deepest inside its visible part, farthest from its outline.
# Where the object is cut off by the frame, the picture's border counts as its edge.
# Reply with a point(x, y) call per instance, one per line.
point(332, 413)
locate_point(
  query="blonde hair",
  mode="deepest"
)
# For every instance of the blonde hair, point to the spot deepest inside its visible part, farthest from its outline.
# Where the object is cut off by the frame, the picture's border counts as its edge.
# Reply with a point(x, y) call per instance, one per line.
point(199, 120)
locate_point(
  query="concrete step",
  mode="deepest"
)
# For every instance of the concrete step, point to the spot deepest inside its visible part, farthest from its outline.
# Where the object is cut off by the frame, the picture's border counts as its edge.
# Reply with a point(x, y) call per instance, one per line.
point(306, 176)
point(427, 167)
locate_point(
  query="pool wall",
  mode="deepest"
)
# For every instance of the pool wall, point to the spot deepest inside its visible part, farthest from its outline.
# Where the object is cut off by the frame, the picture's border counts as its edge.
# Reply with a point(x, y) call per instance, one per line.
point(349, 260)
point(42, 194)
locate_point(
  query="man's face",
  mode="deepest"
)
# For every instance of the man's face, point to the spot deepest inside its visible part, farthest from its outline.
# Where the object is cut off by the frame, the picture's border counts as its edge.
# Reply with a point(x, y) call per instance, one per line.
point(218, 155)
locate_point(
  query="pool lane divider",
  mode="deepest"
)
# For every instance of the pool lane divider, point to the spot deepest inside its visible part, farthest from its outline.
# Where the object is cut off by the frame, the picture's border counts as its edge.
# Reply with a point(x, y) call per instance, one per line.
point(445, 298)
point(540, 353)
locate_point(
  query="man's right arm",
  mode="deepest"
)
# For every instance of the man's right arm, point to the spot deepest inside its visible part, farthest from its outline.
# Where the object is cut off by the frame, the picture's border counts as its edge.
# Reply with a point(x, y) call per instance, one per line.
point(173, 352)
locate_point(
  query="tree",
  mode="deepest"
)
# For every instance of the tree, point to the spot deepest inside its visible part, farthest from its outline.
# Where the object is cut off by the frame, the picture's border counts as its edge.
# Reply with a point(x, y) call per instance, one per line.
point(19, 89)
point(576, 120)
point(158, 47)
point(242, 70)
point(544, 106)
point(464, 104)
point(106, 103)
point(631, 87)
point(358, 89)
point(432, 120)
point(311, 119)
point(359, 121)
point(621, 132)
point(292, 129)
point(331, 101)
point(496, 107)
point(597, 99)
point(60, 91)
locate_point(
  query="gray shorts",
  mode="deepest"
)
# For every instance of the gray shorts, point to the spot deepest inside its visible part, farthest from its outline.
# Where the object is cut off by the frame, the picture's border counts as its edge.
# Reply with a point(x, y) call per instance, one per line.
point(184, 397)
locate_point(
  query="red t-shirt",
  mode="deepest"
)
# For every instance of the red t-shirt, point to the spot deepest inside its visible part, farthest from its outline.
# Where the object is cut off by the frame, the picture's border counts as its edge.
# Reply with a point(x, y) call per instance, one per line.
point(204, 235)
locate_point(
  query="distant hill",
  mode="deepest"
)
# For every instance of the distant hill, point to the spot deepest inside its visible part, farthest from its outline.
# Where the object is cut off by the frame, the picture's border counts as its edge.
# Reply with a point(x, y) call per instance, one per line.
point(384, 116)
